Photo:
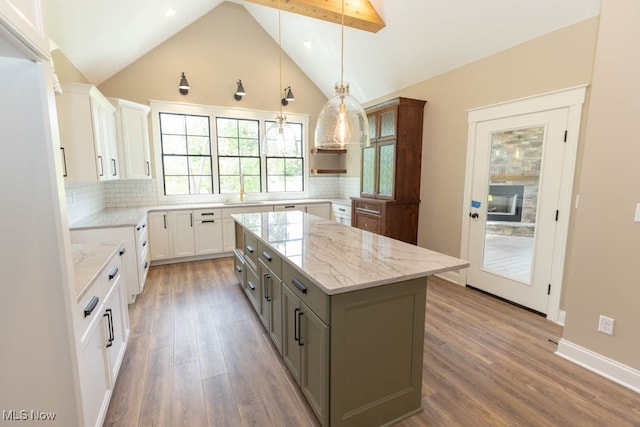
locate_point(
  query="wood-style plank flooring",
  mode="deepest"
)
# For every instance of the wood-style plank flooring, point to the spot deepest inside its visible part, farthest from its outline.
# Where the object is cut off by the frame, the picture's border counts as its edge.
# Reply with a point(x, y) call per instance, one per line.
point(198, 356)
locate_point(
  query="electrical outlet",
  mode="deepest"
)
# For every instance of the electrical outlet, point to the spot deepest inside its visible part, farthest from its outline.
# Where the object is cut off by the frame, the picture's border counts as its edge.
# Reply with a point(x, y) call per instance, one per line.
point(605, 325)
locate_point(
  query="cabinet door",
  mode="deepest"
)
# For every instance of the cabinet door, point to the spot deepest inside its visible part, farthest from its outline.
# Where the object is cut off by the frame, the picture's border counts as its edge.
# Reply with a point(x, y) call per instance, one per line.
point(97, 118)
point(291, 332)
point(159, 236)
point(208, 236)
point(314, 339)
point(253, 288)
point(323, 210)
point(275, 312)
point(266, 284)
point(368, 176)
point(386, 170)
point(116, 323)
point(182, 234)
point(133, 140)
point(228, 234)
point(24, 18)
point(110, 145)
point(94, 384)
point(373, 126)
point(387, 128)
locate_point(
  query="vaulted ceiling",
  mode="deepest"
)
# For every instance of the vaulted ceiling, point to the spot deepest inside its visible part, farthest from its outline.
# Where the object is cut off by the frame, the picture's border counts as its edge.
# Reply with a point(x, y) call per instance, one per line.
point(420, 38)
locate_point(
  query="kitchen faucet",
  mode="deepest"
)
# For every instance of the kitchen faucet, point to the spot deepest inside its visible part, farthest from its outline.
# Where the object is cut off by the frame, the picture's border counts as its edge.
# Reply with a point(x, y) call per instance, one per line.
point(242, 187)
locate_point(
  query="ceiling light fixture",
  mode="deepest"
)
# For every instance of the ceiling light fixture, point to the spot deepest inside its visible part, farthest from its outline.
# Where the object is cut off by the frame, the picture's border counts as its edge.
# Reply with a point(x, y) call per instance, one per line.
point(279, 139)
point(183, 87)
point(240, 92)
point(169, 12)
point(342, 120)
point(288, 96)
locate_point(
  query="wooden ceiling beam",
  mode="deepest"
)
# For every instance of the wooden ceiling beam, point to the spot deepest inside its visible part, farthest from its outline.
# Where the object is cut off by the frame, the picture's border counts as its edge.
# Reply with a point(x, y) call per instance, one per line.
point(359, 14)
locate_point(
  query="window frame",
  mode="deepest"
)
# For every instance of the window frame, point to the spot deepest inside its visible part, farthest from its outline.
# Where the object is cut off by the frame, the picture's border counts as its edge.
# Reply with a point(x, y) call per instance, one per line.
point(214, 112)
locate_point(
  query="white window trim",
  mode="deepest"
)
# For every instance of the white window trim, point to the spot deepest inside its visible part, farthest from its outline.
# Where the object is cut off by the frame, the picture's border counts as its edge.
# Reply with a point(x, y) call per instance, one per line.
point(212, 112)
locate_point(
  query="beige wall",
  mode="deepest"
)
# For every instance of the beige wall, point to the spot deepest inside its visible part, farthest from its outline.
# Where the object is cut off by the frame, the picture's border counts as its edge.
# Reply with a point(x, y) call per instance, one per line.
point(66, 71)
point(555, 61)
point(603, 269)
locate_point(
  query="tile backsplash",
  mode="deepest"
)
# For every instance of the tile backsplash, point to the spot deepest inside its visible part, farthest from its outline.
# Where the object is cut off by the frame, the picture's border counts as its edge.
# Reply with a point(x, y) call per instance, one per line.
point(89, 198)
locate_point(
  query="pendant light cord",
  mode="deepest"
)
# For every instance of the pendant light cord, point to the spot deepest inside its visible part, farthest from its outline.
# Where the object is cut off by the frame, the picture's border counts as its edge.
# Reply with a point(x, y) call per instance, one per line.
point(342, 48)
point(280, 51)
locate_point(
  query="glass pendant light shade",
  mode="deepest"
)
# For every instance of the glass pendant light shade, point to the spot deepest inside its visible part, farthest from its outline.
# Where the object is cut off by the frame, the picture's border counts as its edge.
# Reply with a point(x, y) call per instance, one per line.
point(342, 121)
point(280, 139)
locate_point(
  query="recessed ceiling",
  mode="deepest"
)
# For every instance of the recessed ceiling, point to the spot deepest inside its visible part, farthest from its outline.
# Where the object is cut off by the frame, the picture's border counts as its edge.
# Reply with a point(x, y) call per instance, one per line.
point(421, 39)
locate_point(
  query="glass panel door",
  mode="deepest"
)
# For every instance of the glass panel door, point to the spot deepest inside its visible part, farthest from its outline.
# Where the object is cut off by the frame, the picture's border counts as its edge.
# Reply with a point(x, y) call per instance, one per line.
point(368, 170)
point(514, 176)
point(386, 169)
point(388, 123)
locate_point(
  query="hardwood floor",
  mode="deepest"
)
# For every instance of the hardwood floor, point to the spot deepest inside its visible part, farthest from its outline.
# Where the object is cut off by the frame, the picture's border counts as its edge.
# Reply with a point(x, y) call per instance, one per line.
point(199, 356)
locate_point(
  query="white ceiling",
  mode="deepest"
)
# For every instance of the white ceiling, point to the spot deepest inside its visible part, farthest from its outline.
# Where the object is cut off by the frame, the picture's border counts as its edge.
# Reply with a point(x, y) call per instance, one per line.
point(422, 38)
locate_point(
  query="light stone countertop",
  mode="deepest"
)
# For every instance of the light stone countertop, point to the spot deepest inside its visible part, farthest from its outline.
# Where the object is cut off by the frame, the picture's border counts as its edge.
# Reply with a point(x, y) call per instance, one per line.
point(130, 217)
point(340, 258)
point(89, 260)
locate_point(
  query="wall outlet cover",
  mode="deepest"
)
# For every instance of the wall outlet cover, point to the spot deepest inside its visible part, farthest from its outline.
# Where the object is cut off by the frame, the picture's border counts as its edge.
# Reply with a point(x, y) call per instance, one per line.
point(605, 325)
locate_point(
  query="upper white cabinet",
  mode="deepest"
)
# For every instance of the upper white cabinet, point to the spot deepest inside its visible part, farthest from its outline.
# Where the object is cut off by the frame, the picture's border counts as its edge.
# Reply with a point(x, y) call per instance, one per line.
point(132, 130)
point(87, 134)
point(23, 22)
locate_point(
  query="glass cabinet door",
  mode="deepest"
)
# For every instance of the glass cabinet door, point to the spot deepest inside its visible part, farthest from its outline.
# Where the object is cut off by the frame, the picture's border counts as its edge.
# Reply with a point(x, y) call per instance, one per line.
point(386, 172)
point(373, 127)
point(388, 124)
point(368, 170)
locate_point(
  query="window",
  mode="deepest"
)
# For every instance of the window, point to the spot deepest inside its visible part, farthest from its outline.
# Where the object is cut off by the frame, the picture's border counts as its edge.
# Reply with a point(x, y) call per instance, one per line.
point(238, 155)
point(285, 165)
point(186, 154)
point(207, 154)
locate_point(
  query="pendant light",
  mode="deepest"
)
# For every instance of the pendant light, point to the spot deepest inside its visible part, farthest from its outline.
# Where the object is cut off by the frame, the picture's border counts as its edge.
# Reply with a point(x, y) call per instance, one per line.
point(280, 139)
point(342, 120)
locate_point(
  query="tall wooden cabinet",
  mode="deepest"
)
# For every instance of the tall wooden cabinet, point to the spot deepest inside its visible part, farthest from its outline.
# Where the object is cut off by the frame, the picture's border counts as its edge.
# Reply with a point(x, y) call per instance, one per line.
point(390, 176)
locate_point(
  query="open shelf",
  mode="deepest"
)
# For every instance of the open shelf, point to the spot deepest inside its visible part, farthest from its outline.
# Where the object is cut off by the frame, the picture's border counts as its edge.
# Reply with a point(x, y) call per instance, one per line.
point(327, 171)
point(328, 150)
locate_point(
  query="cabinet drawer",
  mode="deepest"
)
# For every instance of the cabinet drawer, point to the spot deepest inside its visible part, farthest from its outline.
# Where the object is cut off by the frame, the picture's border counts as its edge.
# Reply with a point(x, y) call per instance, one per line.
point(368, 207)
point(253, 288)
point(239, 268)
point(89, 306)
point(341, 210)
point(251, 249)
point(110, 274)
point(308, 292)
point(270, 258)
point(204, 214)
point(368, 223)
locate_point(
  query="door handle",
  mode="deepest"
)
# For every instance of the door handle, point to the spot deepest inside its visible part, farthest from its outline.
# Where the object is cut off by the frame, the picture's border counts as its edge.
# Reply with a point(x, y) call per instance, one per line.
point(474, 215)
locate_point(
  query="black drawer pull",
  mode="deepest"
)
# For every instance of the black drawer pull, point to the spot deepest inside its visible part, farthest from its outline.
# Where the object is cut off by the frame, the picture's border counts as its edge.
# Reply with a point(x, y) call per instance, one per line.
point(146, 264)
point(250, 249)
point(144, 243)
point(342, 209)
point(300, 342)
point(296, 325)
point(123, 251)
point(207, 214)
point(91, 306)
point(138, 228)
point(289, 206)
point(302, 288)
point(238, 269)
point(251, 285)
point(267, 256)
point(208, 221)
point(113, 273)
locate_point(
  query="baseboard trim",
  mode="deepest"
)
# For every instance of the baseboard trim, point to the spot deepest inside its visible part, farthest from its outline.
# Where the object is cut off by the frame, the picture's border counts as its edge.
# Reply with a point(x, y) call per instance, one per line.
point(450, 276)
point(562, 315)
point(601, 365)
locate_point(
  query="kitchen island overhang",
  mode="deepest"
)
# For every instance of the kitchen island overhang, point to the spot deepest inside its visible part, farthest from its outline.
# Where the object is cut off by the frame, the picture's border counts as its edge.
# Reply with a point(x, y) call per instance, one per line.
point(344, 307)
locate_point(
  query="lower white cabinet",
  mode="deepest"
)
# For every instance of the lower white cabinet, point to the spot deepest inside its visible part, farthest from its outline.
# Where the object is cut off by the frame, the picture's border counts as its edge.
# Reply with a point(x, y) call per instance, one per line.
point(208, 236)
point(103, 328)
point(159, 236)
point(182, 235)
point(341, 213)
point(323, 210)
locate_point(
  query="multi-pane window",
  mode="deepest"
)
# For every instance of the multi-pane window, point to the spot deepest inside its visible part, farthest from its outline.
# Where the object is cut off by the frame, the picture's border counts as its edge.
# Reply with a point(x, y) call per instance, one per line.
point(285, 166)
point(186, 154)
point(238, 155)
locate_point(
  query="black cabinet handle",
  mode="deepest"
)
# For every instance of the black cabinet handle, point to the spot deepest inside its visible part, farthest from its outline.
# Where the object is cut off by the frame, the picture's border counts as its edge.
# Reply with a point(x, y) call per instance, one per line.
point(207, 214)
point(250, 249)
point(64, 163)
point(101, 166)
point(115, 167)
point(93, 302)
point(342, 209)
point(267, 256)
point(165, 220)
point(144, 243)
point(239, 269)
point(251, 285)
point(148, 168)
point(123, 251)
point(289, 206)
point(113, 273)
point(300, 313)
point(144, 225)
point(191, 218)
point(302, 288)
point(138, 228)
point(296, 325)
point(267, 276)
point(208, 221)
point(146, 264)
point(109, 315)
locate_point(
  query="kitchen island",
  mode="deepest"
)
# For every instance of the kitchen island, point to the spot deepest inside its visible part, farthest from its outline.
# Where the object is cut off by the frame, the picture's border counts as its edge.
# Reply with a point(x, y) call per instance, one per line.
point(344, 307)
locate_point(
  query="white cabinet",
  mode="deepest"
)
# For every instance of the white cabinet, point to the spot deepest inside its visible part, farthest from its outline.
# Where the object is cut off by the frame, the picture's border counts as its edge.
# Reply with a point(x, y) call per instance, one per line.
point(87, 134)
point(228, 224)
point(102, 322)
point(159, 236)
point(23, 19)
point(132, 131)
point(208, 231)
point(182, 236)
point(323, 210)
point(341, 213)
